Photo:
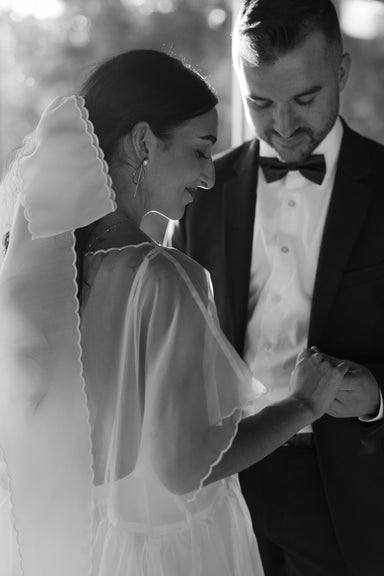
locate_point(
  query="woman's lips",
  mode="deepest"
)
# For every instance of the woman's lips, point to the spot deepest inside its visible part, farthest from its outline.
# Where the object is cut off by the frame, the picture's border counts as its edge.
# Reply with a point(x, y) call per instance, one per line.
point(191, 192)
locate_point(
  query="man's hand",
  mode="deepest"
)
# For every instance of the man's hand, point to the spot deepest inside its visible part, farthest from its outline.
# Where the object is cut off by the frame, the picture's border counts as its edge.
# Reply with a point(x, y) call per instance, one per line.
point(358, 395)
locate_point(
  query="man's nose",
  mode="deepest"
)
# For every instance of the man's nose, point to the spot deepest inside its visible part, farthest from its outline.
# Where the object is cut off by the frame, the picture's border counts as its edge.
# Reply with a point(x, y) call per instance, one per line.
point(285, 122)
point(207, 178)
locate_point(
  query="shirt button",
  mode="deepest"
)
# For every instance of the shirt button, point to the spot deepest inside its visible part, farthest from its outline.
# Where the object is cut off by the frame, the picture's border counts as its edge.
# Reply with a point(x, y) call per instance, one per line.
point(284, 249)
point(292, 203)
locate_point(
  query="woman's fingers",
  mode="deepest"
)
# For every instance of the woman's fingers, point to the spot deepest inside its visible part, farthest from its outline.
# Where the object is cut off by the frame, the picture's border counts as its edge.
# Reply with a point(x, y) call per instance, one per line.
point(317, 380)
point(334, 360)
point(303, 354)
point(343, 366)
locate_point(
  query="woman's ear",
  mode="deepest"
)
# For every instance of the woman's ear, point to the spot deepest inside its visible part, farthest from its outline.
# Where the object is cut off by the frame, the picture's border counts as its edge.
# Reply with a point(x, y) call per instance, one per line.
point(143, 140)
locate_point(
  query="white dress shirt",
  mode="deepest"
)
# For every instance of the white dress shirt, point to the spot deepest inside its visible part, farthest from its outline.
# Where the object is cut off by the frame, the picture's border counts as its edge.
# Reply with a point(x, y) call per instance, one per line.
point(288, 228)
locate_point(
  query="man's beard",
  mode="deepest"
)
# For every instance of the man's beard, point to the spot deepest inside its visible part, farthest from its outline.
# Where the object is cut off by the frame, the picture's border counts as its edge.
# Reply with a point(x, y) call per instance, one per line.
point(302, 150)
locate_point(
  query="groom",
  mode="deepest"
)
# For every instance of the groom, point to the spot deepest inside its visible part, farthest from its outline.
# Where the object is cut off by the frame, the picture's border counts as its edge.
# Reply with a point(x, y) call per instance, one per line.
point(293, 236)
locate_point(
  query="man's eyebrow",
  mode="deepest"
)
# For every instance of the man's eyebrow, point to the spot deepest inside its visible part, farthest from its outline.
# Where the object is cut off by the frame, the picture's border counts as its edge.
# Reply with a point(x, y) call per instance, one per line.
point(209, 137)
point(308, 92)
point(255, 97)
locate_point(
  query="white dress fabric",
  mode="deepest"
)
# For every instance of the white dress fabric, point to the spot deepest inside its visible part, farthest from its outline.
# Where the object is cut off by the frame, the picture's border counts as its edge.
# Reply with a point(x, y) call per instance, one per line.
point(111, 416)
point(171, 392)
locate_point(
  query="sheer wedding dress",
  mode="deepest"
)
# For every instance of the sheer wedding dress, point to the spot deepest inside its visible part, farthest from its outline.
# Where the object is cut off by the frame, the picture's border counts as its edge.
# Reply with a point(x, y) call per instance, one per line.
point(111, 415)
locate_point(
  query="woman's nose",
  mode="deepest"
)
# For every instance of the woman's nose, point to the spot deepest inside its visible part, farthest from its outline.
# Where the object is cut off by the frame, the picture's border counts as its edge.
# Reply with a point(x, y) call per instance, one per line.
point(207, 178)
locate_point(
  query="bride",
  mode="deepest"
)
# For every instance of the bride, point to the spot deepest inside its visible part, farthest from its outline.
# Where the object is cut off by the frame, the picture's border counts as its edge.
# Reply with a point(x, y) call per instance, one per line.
point(124, 412)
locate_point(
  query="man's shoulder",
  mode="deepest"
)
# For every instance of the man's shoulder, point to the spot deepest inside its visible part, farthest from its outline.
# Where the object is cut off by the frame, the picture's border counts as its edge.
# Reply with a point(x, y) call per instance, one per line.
point(226, 160)
point(354, 138)
point(361, 156)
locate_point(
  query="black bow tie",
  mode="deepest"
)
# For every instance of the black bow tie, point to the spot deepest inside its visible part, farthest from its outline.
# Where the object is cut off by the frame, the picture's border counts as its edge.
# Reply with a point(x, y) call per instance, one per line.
point(313, 168)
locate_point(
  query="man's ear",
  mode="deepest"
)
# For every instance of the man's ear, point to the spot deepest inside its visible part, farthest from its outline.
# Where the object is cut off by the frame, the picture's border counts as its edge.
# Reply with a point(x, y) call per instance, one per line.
point(344, 67)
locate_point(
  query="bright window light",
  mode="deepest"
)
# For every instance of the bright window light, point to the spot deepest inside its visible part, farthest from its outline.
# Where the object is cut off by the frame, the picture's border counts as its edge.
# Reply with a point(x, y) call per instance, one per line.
point(216, 17)
point(362, 18)
point(40, 9)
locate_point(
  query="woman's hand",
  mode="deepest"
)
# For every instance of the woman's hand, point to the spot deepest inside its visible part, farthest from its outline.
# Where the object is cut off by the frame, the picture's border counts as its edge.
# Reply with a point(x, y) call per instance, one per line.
point(315, 381)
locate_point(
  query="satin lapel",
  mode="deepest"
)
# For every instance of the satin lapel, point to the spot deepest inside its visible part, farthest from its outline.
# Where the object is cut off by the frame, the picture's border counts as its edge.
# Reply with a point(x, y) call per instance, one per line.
point(350, 201)
point(239, 206)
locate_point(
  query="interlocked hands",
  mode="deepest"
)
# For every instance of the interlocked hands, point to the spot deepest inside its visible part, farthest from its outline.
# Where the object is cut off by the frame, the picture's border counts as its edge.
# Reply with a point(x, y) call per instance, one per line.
point(356, 392)
point(316, 381)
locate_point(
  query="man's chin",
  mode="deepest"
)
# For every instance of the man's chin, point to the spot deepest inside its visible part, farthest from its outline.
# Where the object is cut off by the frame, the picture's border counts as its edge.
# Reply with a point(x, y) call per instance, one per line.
point(290, 156)
point(294, 151)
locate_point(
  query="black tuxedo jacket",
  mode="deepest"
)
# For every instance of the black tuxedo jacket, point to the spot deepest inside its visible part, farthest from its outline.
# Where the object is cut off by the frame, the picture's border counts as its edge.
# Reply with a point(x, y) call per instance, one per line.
point(347, 315)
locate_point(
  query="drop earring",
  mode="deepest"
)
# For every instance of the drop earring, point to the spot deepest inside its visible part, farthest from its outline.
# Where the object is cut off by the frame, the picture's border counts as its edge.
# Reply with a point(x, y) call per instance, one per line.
point(138, 175)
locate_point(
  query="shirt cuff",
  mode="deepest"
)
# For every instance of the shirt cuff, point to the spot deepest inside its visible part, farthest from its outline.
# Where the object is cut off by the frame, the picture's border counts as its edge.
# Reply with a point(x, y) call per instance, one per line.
point(379, 416)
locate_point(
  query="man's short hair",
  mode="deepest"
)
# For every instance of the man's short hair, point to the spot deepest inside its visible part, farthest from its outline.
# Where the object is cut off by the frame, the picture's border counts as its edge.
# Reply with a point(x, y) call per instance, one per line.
point(265, 30)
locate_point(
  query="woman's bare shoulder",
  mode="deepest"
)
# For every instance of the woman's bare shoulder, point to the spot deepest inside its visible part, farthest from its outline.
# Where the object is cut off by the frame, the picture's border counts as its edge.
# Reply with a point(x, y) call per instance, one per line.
point(170, 261)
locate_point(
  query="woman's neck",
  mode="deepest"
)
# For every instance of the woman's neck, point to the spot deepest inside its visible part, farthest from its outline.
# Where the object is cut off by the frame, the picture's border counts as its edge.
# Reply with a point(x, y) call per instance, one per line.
point(115, 230)
point(130, 197)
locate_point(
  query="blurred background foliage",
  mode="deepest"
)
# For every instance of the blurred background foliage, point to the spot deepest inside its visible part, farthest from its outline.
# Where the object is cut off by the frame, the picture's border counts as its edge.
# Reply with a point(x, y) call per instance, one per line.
point(50, 52)
point(48, 48)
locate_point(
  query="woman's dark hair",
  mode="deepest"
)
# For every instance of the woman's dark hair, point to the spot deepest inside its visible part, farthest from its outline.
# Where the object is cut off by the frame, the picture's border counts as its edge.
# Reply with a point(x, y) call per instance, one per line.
point(141, 85)
point(268, 29)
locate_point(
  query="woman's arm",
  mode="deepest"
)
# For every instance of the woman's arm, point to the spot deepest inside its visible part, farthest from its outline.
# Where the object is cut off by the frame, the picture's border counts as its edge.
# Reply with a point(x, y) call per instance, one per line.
point(196, 387)
point(261, 434)
point(314, 385)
